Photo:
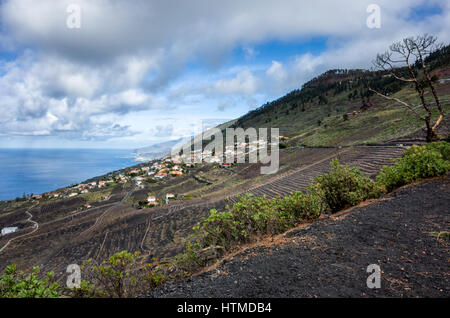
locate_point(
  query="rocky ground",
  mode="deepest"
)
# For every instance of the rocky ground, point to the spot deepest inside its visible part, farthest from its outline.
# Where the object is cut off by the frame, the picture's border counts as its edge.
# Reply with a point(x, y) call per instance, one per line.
point(329, 257)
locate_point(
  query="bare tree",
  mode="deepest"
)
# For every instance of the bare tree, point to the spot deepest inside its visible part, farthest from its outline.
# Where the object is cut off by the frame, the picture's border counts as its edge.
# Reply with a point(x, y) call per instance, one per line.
point(406, 62)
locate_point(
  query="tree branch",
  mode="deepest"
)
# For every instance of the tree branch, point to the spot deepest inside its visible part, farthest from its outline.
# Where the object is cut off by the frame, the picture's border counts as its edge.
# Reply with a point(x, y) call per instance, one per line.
point(410, 107)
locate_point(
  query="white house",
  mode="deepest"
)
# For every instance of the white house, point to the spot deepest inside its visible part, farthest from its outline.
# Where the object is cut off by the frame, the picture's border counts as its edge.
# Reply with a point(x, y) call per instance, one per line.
point(8, 230)
point(169, 196)
point(138, 179)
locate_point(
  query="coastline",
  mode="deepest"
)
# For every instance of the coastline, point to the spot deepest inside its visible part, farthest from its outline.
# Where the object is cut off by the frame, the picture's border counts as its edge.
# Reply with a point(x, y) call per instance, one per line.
point(38, 171)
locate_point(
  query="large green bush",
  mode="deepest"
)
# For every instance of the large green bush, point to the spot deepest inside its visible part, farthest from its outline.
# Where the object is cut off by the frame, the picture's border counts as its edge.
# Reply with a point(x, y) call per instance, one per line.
point(23, 284)
point(250, 217)
point(343, 187)
point(417, 163)
point(190, 260)
point(114, 275)
point(298, 207)
point(442, 147)
point(253, 217)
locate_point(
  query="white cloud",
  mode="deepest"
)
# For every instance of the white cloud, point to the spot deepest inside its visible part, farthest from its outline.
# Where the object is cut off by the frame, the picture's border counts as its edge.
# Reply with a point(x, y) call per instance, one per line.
point(277, 71)
point(243, 83)
point(54, 95)
point(131, 97)
point(131, 56)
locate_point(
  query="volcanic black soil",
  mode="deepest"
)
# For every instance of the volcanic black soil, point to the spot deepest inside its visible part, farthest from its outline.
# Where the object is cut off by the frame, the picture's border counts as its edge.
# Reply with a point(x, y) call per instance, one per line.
point(329, 257)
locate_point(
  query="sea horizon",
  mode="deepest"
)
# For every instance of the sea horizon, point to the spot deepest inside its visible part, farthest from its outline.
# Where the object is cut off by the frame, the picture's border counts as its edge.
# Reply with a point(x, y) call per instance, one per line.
point(40, 170)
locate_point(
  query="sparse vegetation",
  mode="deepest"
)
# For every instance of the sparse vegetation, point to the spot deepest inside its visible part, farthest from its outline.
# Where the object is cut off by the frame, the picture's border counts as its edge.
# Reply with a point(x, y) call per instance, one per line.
point(114, 277)
point(123, 274)
point(251, 219)
point(441, 235)
point(95, 196)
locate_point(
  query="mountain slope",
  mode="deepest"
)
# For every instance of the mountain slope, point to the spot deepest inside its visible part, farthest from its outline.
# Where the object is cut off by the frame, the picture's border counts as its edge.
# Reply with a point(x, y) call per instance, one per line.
point(336, 107)
point(329, 257)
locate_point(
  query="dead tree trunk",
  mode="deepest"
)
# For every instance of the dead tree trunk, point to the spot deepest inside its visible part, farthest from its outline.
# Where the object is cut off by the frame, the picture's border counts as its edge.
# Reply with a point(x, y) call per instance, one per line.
point(401, 57)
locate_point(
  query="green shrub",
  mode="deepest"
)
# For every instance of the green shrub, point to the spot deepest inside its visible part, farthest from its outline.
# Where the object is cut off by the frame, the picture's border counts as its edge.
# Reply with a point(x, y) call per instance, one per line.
point(417, 163)
point(442, 147)
point(124, 274)
point(250, 217)
point(298, 207)
point(22, 284)
point(114, 276)
point(343, 187)
point(155, 279)
point(254, 217)
point(189, 260)
point(85, 290)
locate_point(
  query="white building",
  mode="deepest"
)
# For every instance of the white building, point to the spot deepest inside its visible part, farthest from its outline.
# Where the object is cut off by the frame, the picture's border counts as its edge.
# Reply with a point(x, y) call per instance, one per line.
point(8, 230)
point(169, 196)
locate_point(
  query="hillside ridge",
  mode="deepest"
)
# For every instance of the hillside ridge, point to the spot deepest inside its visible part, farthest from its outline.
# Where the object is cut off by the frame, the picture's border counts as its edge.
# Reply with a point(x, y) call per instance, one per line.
point(329, 257)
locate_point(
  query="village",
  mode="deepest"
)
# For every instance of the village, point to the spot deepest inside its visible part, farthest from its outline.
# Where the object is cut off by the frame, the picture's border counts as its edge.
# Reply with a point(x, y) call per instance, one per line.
point(99, 189)
point(143, 175)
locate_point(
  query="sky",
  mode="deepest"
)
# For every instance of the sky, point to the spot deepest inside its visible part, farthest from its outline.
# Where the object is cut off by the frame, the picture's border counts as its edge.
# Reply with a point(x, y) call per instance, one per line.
point(139, 72)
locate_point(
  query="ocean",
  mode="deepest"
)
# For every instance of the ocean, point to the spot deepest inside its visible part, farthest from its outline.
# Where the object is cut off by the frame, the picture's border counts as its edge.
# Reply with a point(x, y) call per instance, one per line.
point(41, 170)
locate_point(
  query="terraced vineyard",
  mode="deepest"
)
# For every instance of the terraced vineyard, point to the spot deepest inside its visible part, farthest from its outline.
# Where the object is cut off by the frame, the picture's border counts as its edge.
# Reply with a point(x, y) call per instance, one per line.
point(368, 159)
point(163, 231)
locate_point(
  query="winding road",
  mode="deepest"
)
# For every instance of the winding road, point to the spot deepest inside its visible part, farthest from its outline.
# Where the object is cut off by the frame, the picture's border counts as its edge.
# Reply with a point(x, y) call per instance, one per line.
point(100, 218)
point(35, 228)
